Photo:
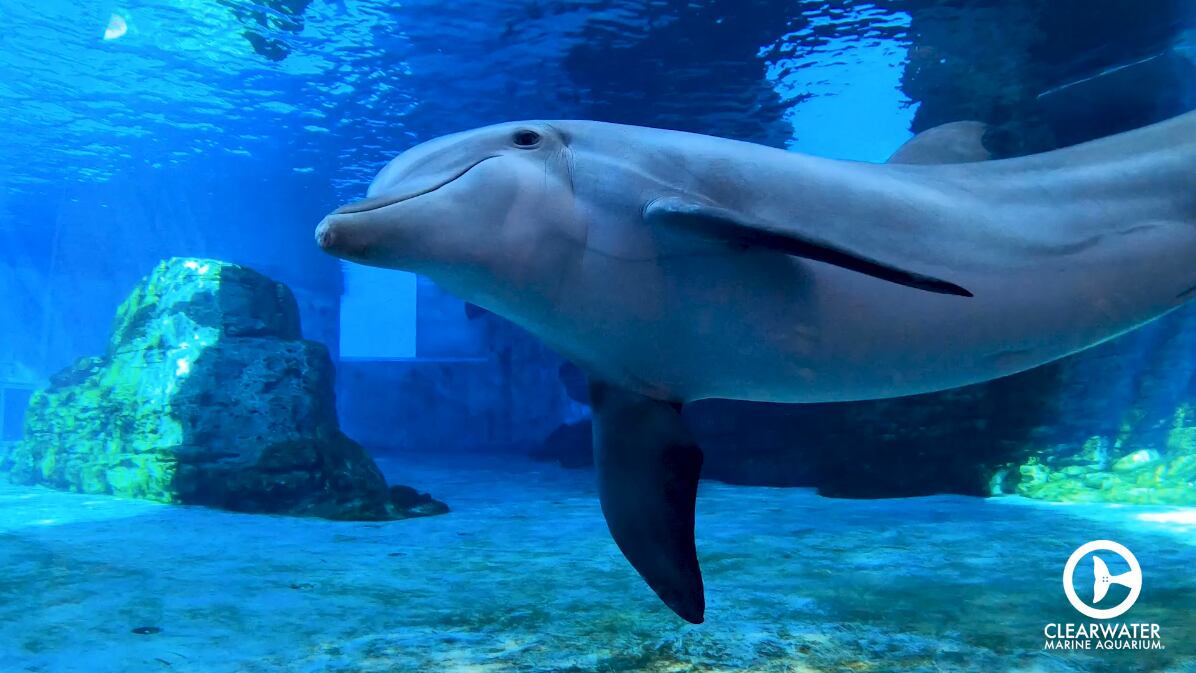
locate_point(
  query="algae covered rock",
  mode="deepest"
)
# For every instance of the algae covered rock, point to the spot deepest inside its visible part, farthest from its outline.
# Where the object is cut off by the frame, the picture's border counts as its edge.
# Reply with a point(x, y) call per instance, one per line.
point(1110, 469)
point(206, 395)
point(1121, 423)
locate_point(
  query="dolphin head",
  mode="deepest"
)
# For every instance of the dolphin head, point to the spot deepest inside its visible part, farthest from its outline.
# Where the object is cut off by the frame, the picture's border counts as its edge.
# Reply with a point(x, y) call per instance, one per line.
point(477, 211)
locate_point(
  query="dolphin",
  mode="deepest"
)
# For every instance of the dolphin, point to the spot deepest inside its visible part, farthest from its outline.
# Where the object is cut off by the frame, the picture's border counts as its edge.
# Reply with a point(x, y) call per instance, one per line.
point(673, 267)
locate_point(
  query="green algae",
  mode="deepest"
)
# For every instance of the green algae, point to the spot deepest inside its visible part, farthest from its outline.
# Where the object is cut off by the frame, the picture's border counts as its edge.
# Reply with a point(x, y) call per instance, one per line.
point(1141, 476)
point(1137, 466)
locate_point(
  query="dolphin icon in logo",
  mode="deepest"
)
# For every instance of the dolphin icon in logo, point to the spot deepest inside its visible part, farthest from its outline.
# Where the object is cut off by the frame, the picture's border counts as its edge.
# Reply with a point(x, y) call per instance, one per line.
point(1132, 579)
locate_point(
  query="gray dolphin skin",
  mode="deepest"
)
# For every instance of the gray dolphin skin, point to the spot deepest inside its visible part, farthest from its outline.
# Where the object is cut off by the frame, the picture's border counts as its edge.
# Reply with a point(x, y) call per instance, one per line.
point(673, 267)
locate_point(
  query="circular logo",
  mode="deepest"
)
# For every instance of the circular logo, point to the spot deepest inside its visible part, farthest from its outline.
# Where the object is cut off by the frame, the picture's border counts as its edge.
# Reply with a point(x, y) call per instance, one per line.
point(1103, 579)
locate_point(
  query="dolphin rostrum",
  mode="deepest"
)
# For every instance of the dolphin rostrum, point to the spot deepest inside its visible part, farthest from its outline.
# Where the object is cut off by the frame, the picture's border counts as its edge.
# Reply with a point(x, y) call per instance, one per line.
point(673, 267)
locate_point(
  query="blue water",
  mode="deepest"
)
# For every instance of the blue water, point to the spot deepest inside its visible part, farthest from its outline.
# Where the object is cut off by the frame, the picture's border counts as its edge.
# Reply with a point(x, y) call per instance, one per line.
point(177, 137)
point(137, 131)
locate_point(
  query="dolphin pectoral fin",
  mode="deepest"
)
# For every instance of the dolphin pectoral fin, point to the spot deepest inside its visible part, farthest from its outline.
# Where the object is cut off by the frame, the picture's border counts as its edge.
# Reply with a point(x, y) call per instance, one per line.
point(648, 468)
point(728, 226)
point(951, 143)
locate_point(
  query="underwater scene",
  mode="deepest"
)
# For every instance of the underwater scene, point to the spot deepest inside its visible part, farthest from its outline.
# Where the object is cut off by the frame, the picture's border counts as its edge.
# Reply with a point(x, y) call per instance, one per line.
point(553, 336)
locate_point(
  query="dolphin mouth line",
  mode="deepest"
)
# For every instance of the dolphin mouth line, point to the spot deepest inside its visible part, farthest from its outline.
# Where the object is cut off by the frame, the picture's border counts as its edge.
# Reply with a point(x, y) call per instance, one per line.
point(379, 202)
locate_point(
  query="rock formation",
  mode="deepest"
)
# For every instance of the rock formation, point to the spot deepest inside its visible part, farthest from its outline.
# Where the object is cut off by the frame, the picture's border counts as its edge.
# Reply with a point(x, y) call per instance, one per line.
point(207, 395)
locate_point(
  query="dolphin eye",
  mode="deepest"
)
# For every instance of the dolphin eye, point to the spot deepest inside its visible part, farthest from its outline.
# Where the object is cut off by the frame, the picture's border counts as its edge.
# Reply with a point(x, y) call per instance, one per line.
point(526, 138)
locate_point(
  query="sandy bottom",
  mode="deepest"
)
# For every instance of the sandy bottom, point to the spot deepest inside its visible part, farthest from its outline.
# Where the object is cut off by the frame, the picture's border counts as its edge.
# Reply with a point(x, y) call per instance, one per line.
point(521, 576)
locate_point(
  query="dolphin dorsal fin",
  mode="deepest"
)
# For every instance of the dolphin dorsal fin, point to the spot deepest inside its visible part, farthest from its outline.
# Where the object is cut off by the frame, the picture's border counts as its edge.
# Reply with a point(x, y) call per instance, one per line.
point(951, 143)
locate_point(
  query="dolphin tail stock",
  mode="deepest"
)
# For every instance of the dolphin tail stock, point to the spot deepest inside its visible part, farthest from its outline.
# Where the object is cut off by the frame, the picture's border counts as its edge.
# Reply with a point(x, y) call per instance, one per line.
point(1161, 156)
point(648, 467)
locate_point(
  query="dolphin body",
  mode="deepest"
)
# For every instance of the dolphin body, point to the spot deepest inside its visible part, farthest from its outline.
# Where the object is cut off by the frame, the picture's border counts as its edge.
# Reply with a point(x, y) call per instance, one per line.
point(673, 267)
